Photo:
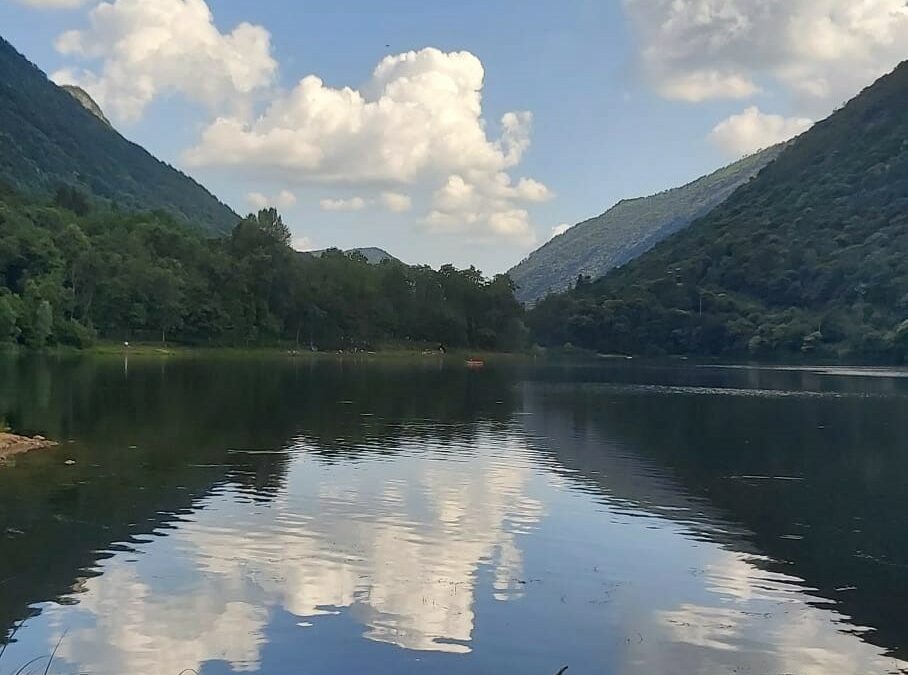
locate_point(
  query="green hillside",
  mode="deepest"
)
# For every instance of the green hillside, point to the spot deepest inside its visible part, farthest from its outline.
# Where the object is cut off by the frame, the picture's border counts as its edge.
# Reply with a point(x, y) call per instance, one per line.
point(628, 229)
point(48, 139)
point(809, 257)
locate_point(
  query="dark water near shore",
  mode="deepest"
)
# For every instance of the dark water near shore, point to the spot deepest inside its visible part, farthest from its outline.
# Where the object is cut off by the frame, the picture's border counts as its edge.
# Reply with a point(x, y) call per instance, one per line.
point(318, 516)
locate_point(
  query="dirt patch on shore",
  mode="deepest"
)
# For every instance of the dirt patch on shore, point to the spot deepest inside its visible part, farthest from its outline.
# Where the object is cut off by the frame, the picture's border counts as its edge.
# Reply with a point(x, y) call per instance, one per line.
point(11, 444)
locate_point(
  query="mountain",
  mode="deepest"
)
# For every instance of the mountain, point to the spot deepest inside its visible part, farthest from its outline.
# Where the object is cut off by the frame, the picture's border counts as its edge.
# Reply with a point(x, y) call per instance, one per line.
point(373, 255)
point(810, 257)
point(50, 137)
point(628, 229)
point(87, 102)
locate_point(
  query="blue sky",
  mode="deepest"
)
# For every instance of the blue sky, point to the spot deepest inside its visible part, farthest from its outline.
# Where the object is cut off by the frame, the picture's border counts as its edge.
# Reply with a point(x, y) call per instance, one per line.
point(626, 97)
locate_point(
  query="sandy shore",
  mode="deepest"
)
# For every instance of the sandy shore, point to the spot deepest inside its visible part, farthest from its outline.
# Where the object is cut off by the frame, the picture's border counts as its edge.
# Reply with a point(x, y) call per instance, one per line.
point(11, 444)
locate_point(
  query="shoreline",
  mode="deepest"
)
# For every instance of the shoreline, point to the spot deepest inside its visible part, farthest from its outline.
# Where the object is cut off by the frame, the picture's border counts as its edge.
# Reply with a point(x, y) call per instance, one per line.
point(395, 352)
point(380, 353)
point(12, 444)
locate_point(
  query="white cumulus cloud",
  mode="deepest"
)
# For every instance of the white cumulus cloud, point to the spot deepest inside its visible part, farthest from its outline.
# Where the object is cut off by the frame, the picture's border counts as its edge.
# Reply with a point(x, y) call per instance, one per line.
point(257, 200)
point(822, 51)
point(396, 202)
point(150, 48)
point(352, 204)
point(558, 230)
point(417, 122)
point(420, 113)
point(284, 199)
point(392, 201)
point(485, 207)
point(707, 84)
point(301, 242)
point(753, 130)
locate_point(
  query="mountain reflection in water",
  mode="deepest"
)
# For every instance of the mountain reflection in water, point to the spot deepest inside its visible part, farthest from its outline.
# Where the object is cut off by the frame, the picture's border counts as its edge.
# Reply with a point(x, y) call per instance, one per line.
point(319, 516)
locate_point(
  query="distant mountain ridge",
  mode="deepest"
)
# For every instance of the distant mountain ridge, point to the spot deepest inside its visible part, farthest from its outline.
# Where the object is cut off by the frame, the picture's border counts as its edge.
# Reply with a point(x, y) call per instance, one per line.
point(50, 137)
point(372, 254)
point(630, 228)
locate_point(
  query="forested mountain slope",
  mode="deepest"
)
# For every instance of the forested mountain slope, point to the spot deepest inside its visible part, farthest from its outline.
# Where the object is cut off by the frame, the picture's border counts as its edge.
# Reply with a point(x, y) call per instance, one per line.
point(809, 257)
point(628, 229)
point(49, 139)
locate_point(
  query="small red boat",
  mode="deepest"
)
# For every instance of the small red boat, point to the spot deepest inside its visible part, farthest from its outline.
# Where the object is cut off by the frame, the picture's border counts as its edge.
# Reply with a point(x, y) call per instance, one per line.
point(475, 363)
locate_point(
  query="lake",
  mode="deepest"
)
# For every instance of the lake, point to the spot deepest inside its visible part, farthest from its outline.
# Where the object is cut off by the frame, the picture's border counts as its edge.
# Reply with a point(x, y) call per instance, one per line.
point(341, 515)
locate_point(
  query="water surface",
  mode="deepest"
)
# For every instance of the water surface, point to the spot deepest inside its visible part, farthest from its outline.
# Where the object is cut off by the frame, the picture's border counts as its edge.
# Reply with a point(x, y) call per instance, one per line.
point(333, 516)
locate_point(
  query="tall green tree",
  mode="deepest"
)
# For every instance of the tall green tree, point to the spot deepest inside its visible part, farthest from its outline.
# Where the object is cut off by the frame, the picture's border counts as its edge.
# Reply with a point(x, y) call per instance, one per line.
point(40, 328)
point(8, 329)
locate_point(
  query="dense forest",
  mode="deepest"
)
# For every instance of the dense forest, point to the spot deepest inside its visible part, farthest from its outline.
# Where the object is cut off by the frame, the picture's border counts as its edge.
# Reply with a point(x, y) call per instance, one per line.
point(810, 257)
point(627, 230)
point(73, 271)
point(48, 138)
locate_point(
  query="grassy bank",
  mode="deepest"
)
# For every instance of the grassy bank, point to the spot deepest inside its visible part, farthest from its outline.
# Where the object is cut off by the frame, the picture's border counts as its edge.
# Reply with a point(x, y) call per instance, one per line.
point(393, 351)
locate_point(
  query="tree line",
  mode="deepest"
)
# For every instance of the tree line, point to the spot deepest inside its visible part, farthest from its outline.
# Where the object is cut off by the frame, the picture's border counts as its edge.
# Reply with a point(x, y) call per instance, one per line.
point(73, 272)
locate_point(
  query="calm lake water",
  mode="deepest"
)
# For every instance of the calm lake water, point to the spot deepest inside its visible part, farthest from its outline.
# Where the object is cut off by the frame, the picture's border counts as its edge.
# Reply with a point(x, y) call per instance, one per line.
point(339, 516)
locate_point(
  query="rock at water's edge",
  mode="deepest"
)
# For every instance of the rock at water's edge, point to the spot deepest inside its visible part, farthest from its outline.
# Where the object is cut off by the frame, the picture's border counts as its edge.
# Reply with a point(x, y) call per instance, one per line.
point(11, 444)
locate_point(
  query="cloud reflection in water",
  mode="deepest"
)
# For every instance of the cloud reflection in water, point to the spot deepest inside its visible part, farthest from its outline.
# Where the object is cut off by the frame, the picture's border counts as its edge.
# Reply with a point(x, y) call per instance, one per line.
point(396, 543)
